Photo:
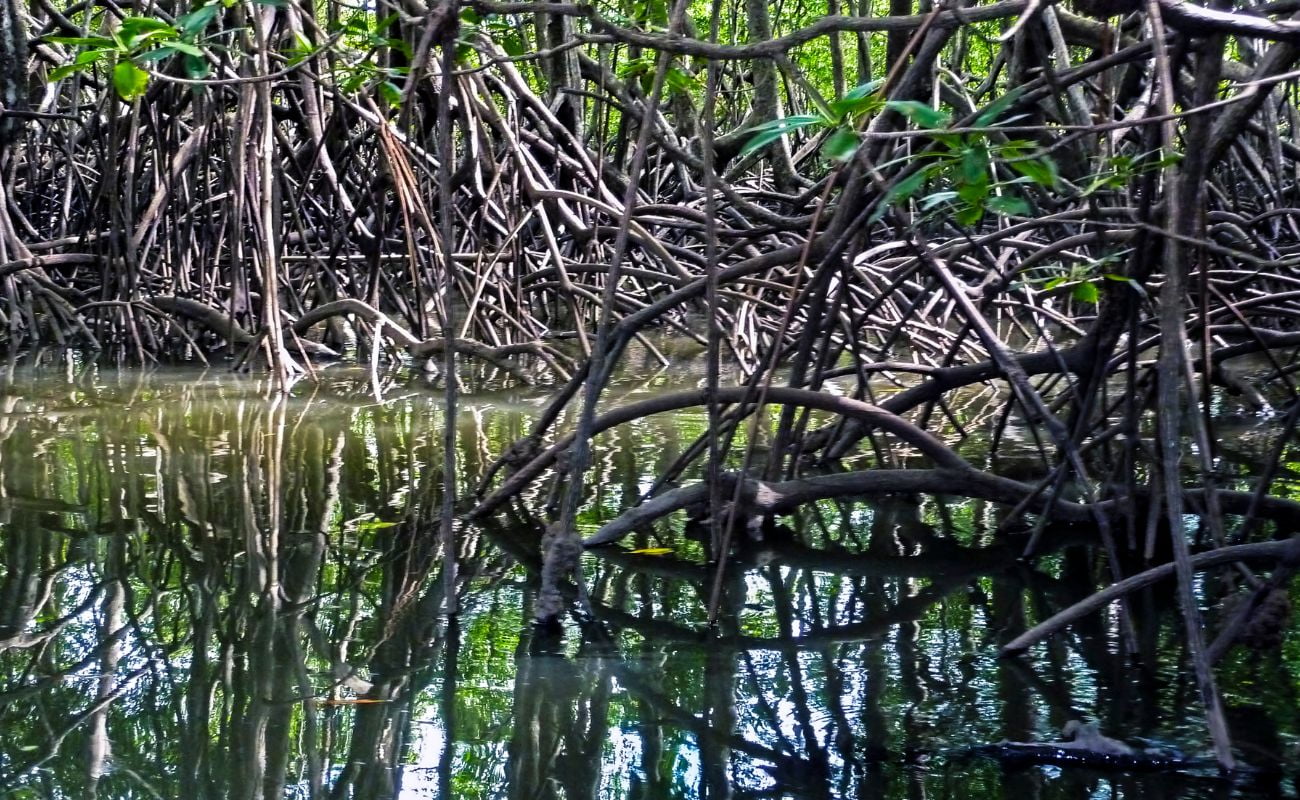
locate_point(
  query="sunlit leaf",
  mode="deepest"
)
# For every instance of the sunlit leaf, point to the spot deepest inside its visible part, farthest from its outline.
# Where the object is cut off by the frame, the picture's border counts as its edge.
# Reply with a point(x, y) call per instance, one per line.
point(129, 80)
point(1086, 292)
point(652, 551)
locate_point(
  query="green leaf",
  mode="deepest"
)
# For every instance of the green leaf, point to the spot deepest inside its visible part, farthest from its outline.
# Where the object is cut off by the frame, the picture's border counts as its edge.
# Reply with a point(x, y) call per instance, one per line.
point(969, 214)
point(974, 164)
point(1054, 282)
point(842, 144)
point(194, 23)
point(134, 25)
point(186, 48)
point(59, 73)
point(1041, 170)
point(1086, 292)
point(512, 44)
point(899, 193)
point(635, 67)
point(994, 110)
point(919, 113)
point(155, 55)
point(1009, 205)
point(391, 93)
point(858, 100)
point(760, 140)
point(84, 41)
point(679, 80)
point(974, 192)
point(769, 132)
point(196, 68)
point(129, 80)
point(863, 90)
point(932, 200)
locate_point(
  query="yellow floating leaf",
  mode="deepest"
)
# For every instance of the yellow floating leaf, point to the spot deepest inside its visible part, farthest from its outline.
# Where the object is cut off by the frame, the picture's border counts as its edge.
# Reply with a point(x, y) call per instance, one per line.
point(653, 551)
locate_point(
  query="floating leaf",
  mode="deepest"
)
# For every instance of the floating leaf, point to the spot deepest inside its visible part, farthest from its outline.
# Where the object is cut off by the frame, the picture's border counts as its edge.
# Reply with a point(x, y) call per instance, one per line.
point(652, 551)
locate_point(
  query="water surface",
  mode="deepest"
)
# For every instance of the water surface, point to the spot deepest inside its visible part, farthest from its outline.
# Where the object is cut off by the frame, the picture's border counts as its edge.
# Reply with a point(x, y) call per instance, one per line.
point(209, 590)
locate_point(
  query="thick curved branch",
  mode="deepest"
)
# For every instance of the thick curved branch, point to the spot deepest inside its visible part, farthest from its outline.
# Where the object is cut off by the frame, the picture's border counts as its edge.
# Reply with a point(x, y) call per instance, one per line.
point(873, 416)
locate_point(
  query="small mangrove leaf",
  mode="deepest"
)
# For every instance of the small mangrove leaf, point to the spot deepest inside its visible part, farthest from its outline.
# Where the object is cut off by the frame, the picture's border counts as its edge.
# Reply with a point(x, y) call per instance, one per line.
point(842, 144)
point(769, 132)
point(919, 113)
point(995, 109)
point(1086, 292)
point(129, 80)
point(899, 193)
point(1009, 205)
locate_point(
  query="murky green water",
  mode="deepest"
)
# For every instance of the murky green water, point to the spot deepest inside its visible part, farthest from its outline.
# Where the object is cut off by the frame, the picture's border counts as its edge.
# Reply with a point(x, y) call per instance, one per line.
point(209, 591)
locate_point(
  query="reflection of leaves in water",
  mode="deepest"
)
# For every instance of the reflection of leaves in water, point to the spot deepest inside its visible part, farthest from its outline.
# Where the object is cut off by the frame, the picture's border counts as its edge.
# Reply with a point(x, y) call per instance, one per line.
point(236, 557)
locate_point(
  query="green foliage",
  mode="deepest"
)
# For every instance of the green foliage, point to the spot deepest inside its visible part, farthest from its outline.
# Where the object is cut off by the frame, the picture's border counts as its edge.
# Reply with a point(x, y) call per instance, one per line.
point(139, 41)
point(1084, 281)
point(966, 166)
point(1118, 172)
point(840, 118)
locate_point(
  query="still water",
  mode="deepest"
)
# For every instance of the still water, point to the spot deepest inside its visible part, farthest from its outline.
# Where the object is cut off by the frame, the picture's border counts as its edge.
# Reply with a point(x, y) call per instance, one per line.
point(209, 590)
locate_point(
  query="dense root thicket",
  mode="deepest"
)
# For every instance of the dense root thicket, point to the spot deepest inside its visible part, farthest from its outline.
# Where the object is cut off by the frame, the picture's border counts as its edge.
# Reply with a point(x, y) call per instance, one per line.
point(1093, 207)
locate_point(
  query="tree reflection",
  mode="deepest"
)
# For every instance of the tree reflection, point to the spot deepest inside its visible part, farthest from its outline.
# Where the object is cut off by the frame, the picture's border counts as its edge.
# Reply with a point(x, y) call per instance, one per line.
point(206, 593)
